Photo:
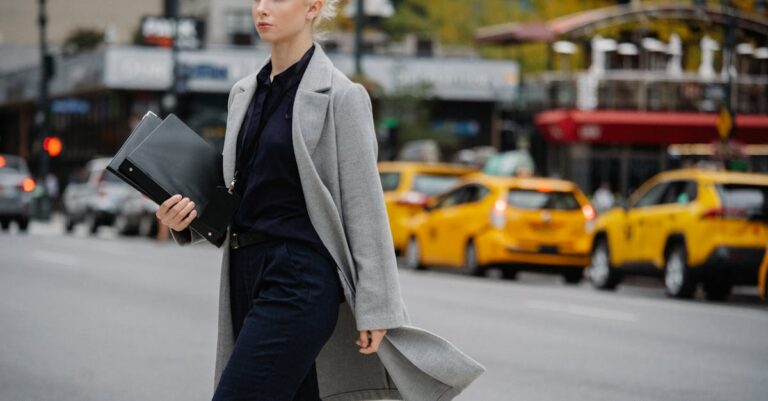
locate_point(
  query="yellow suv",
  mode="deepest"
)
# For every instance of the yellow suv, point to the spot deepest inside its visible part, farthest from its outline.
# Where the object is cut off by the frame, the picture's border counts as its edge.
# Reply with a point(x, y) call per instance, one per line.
point(535, 224)
point(689, 226)
point(408, 186)
point(762, 278)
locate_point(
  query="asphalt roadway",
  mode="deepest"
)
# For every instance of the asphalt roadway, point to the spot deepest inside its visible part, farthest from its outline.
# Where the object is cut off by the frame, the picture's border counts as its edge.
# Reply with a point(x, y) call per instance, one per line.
point(107, 318)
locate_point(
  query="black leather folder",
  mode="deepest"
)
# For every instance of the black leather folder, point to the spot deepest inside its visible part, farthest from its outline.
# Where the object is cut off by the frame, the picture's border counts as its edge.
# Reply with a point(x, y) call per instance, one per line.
point(173, 159)
point(148, 123)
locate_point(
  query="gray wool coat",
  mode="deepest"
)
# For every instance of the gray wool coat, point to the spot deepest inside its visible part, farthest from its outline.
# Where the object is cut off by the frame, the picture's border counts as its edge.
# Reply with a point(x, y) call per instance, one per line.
point(336, 150)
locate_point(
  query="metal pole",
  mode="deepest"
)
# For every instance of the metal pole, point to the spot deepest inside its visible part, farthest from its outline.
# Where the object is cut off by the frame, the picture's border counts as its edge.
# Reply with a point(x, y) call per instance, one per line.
point(729, 51)
point(359, 22)
point(171, 103)
point(41, 116)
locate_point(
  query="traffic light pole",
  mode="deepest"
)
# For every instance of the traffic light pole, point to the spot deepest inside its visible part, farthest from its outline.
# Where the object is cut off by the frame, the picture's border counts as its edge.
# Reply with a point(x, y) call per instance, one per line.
point(42, 114)
point(171, 100)
point(359, 22)
point(729, 54)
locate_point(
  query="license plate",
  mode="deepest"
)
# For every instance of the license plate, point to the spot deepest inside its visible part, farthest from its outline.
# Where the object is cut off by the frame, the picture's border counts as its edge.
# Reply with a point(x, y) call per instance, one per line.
point(548, 249)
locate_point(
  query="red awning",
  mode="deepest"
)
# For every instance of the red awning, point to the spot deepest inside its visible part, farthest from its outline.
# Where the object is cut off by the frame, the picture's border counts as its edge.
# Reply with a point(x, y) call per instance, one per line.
point(651, 128)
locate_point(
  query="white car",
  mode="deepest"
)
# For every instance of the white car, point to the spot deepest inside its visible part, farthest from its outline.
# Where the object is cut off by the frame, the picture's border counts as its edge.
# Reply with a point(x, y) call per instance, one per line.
point(94, 197)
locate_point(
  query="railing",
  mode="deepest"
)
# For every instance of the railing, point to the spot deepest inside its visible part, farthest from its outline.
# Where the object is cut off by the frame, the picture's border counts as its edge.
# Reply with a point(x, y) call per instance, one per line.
point(643, 90)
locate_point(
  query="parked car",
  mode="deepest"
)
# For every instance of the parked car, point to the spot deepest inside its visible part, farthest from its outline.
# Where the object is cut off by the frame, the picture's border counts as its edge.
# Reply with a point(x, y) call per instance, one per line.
point(762, 278)
point(16, 186)
point(136, 216)
point(514, 223)
point(690, 226)
point(94, 196)
point(408, 186)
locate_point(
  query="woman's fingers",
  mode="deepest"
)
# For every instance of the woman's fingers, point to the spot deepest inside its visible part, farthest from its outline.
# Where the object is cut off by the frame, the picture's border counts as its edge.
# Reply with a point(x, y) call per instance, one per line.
point(362, 340)
point(177, 212)
point(165, 206)
point(182, 211)
point(369, 340)
point(189, 219)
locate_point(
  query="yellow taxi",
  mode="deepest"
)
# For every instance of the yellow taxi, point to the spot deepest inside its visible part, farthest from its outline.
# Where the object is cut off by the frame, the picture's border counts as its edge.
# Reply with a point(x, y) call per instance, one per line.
point(408, 186)
point(690, 226)
point(762, 278)
point(513, 223)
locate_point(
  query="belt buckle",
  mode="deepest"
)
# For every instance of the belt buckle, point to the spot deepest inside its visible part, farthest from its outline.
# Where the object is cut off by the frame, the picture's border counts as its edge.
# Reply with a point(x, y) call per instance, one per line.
point(234, 243)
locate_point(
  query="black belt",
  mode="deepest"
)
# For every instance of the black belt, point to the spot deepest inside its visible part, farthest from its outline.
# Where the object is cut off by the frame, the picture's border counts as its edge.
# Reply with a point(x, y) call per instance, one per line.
point(242, 239)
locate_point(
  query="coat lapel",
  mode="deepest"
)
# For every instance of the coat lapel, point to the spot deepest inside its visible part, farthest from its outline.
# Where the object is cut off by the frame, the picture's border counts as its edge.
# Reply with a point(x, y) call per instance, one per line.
point(309, 108)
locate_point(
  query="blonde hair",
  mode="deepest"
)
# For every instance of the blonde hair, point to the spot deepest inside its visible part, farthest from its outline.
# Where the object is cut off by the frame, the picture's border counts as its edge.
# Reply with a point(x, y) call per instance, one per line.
point(327, 13)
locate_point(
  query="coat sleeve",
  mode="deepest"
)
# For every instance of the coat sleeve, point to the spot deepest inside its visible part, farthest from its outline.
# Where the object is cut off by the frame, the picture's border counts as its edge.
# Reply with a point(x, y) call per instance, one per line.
point(189, 236)
point(378, 303)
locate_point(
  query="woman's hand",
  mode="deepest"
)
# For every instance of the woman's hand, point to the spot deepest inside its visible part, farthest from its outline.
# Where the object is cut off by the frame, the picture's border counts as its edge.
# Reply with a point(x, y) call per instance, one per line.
point(177, 213)
point(369, 340)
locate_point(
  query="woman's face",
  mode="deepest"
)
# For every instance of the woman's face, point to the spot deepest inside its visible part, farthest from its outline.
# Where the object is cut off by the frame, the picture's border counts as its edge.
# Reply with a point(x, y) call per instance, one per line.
point(279, 20)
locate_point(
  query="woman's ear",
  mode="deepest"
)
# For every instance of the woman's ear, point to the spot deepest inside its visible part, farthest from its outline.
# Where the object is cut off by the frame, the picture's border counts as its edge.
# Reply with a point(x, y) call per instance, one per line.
point(315, 6)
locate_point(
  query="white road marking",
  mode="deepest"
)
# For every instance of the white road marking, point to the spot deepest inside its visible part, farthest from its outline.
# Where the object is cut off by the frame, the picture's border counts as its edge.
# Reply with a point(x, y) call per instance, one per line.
point(582, 310)
point(57, 258)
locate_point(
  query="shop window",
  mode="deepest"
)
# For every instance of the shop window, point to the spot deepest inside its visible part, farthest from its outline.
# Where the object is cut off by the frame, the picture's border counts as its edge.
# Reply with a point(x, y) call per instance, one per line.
point(240, 29)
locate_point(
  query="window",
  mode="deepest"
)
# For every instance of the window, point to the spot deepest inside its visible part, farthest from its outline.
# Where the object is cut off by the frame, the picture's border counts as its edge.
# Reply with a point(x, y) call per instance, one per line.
point(531, 199)
point(433, 184)
point(477, 193)
point(240, 29)
point(680, 192)
point(453, 198)
point(740, 196)
point(389, 181)
point(13, 165)
point(651, 197)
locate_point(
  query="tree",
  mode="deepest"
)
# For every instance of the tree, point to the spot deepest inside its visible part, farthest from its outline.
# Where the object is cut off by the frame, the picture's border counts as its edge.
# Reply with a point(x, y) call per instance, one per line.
point(81, 40)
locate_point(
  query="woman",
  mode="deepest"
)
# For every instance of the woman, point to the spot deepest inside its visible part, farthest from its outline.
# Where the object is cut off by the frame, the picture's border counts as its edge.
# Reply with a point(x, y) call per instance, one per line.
point(309, 266)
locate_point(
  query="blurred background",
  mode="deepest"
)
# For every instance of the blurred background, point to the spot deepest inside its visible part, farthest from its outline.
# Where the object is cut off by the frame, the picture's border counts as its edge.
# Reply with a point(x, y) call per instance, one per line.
point(617, 145)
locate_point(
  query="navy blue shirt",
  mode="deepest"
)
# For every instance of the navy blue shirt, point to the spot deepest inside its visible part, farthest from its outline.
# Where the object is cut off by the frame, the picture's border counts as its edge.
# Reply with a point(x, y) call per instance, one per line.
point(272, 200)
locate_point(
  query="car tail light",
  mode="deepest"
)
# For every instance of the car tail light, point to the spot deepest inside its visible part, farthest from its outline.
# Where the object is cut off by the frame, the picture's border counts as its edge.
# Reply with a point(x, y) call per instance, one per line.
point(413, 198)
point(589, 212)
point(724, 213)
point(28, 185)
point(499, 214)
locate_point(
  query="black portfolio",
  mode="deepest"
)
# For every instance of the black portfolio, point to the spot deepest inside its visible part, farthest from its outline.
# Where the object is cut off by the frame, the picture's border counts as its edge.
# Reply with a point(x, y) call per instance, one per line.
point(165, 157)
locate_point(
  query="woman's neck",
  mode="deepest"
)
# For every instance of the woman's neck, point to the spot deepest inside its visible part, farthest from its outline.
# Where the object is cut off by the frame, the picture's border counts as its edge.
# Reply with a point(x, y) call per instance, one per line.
point(288, 53)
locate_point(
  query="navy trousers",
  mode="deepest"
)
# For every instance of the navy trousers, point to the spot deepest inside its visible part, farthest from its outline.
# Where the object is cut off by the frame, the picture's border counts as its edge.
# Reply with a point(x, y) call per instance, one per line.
point(285, 299)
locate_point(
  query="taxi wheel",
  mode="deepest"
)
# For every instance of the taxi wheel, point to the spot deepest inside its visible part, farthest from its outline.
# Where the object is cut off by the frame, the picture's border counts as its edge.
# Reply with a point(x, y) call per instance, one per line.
point(413, 255)
point(471, 266)
point(5, 224)
point(678, 277)
point(601, 274)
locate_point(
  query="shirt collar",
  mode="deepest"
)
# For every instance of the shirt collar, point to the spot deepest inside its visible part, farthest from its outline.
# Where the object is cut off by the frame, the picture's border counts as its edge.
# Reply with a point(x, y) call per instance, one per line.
point(292, 73)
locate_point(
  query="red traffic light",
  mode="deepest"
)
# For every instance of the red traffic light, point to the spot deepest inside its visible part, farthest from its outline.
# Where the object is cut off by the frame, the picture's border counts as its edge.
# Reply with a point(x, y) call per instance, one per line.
point(52, 145)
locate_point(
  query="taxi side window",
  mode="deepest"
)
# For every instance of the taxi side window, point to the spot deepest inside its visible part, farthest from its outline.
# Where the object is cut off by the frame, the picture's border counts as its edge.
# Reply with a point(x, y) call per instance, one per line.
point(652, 196)
point(452, 198)
point(680, 192)
point(477, 193)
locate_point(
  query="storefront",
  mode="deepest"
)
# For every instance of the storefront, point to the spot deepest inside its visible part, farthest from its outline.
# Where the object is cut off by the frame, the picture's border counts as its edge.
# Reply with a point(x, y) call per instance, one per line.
point(97, 98)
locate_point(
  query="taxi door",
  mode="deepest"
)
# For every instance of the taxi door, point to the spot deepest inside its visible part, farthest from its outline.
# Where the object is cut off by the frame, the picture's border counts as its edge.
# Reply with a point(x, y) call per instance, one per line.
point(435, 236)
point(639, 215)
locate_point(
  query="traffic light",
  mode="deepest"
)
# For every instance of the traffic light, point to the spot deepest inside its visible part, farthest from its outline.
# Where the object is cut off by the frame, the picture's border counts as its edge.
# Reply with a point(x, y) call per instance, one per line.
point(52, 145)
